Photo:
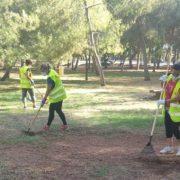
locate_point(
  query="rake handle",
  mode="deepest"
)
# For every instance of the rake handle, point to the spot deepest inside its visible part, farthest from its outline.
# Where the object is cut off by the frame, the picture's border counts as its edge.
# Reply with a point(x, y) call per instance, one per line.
point(31, 122)
point(154, 122)
point(157, 109)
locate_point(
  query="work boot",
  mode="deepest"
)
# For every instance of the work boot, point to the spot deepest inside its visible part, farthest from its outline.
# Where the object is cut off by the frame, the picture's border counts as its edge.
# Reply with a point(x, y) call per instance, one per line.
point(46, 128)
point(64, 127)
point(167, 150)
point(178, 152)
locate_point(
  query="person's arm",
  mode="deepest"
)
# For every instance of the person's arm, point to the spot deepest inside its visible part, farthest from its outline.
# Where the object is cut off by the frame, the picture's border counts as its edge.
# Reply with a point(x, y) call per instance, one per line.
point(48, 90)
point(50, 86)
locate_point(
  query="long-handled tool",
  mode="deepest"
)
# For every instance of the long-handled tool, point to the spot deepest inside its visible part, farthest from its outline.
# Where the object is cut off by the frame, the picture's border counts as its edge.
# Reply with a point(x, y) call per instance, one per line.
point(38, 92)
point(157, 110)
point(32, 121)
point(149, 148)
point(153, 127)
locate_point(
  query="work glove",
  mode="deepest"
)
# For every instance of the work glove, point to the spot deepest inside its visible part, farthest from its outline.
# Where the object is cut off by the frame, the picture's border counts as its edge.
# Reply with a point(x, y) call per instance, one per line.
point(163, 78)
point(161, 102)
point(43, 102)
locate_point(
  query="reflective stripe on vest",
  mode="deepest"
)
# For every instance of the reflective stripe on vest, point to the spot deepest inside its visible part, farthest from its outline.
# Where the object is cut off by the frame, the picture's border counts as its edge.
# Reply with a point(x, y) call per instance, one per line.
point(58, 93)
point(24, 81)
point(174, 109)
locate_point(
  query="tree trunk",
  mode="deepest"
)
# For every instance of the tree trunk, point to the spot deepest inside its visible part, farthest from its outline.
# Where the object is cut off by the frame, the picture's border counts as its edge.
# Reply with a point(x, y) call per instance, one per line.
point(146, 72)
point(178, 54)
point(168, 55)
point(94, 67)
point(68, 64)
point(22, 62)
point(130, 63)
point(72, 64)
point(6, 74)
point(143, 48)
point(173, 60)
point(154, 66)
point(76, 65)
point(86, 73)
point(138, 60)
point(130, 60)
point(149, 57)
point(121, 64)
point(7, 71)
point(89, 61)
point(96, 57)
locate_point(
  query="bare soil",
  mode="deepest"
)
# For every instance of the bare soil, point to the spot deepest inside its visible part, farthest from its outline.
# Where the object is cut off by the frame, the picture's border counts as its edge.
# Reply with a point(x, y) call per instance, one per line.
point(87, 153)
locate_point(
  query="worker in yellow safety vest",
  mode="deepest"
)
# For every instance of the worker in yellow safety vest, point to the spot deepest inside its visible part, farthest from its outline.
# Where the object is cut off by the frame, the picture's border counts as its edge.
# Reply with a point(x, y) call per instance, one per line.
point(55, 93)
point(27, 83)
point(171, 110)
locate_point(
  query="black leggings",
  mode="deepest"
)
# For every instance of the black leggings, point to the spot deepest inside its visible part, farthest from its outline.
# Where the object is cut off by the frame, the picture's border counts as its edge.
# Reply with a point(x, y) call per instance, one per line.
point(58, 108)
point(171, 127)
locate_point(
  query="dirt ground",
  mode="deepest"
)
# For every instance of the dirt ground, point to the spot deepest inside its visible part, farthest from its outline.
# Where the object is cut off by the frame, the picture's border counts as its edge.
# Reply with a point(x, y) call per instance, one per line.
point(88, 152)
point(85, 153)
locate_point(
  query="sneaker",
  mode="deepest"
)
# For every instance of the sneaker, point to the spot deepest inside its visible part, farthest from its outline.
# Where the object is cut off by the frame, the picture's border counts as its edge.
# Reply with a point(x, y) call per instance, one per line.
point(46, 128)
point(64, 127)
point(35, 107)
point(178, 151)
point(167, 150)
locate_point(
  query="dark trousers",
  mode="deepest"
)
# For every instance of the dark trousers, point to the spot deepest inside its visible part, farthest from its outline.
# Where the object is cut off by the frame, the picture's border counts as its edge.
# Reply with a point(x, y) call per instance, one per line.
point(31, 93)
point(58, 108)
point(172, 129)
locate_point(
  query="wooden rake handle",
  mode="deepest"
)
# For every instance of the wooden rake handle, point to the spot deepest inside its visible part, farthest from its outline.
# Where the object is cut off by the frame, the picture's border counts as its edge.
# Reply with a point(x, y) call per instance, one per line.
point(32, 121)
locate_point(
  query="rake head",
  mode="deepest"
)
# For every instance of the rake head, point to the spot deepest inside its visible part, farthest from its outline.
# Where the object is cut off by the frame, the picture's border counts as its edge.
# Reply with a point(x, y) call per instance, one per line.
point(29, 133)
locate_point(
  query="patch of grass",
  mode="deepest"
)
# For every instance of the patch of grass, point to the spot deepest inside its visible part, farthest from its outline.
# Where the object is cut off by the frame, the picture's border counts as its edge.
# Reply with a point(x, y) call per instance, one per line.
point(126, 74)
point(2, 166)
point(20, 139)
point(101, 171)
point(139, 120)
point(88, 105)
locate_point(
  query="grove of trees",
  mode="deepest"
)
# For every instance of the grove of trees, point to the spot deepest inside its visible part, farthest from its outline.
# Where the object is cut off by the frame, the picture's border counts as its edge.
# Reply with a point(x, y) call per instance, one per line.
point(61, 31)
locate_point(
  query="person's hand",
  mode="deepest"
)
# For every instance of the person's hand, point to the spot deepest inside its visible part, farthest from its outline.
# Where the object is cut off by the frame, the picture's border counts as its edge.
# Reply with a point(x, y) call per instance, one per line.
point(43, 102)
point(161, 102)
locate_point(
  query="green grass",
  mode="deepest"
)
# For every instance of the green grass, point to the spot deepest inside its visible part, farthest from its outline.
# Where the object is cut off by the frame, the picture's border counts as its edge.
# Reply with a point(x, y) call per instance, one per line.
point(101, 171)
point(101, 109)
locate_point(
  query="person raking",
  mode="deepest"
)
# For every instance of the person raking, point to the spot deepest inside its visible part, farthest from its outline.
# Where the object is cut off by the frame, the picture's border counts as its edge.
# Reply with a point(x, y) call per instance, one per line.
point(55, 93)
point(171, 110)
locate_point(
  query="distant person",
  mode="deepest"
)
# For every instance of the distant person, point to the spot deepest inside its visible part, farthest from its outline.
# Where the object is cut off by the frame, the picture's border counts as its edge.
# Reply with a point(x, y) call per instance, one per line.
point(171, 110)
point(55, 93)
point(60, 69)
point(27, 83)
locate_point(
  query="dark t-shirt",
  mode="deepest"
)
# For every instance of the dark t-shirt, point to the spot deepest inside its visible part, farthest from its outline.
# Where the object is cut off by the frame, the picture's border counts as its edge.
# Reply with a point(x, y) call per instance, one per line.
point(50, 82)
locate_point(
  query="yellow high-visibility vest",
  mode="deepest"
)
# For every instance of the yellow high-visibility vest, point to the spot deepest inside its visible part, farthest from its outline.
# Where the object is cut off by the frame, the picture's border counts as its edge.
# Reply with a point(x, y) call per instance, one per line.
point(58, 93)
point(24, 81)
point(174, 110)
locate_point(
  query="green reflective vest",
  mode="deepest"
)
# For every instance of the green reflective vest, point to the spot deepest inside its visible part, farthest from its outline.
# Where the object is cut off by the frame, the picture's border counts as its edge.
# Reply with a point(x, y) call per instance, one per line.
point(174, 110)
point(24, 81)
point(58, 93)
